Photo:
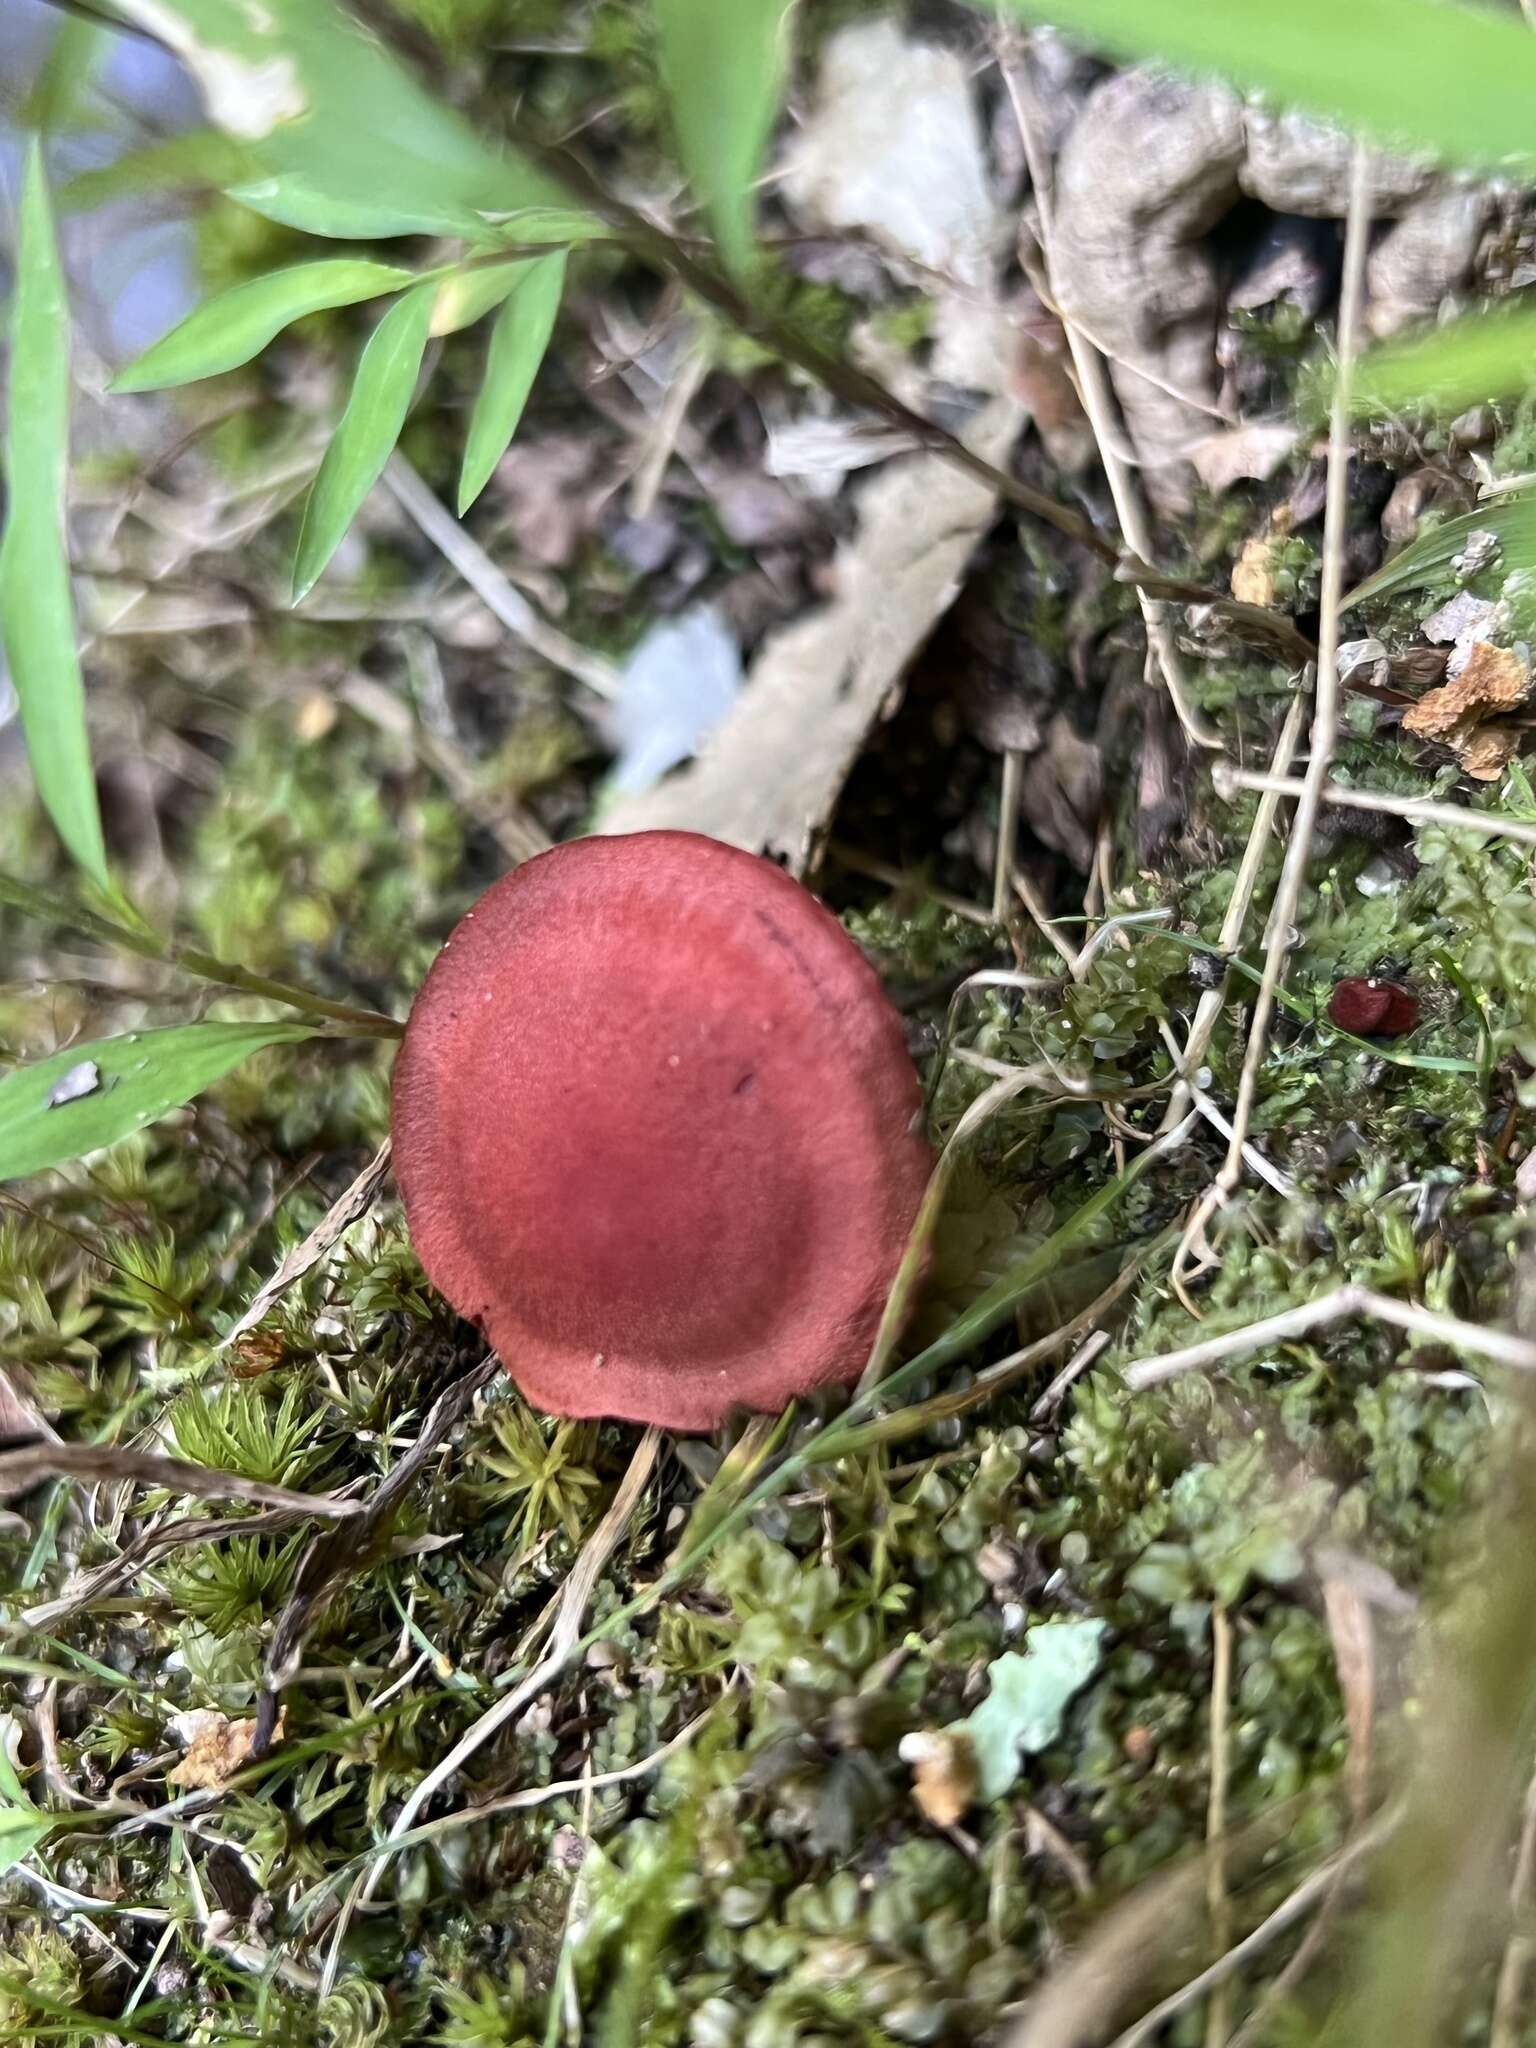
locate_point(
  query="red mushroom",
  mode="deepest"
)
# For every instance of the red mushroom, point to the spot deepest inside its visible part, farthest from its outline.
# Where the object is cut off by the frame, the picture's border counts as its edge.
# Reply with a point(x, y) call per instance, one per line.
point(657, 1132)
point(1369, 1007)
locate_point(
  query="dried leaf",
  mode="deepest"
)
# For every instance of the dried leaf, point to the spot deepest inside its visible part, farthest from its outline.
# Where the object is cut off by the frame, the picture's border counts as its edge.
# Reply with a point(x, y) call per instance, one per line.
point(216, 1748)
point(1255, 451)
point(348, 1206)
point(1253, 576)
point(943, 1773)
point(770, 776)
point(917, 186)
point(1486, 753)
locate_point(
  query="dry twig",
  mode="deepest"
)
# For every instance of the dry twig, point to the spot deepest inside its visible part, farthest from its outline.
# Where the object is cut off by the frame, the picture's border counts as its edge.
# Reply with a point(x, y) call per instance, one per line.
point(146, 1468)
point(1349, 1300)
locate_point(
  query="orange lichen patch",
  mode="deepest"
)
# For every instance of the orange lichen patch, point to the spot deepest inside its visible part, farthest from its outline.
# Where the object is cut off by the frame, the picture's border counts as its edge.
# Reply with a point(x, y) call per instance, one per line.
point(1494, 681)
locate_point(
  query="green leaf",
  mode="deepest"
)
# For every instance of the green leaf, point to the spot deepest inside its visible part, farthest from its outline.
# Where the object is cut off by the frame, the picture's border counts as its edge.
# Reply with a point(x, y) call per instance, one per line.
point(368, 430)
point(202, 158)
point(293, 202)
point(229, 329)
point(11, 1790)
point(1513, 519)
point(1024, 1711)
point(1458, 82)
point(117, 1085)
point(1481, 356)
point(22, 1826)
point(722, 66)
point(531, 224)
point(341, 129)
point(37, 613)
point(66, 75)
point(20, 1834)
point(518, 342)
point(468, 295)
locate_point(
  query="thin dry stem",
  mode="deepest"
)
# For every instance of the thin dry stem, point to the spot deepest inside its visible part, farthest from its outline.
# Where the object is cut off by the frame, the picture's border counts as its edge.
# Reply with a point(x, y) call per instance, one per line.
point(99, 1462)
point(1514, 1970)
point(1325, 710)
point(1209, 1007)
point(1309, 1893)
point(1098, 403)
point(1416, 810)
point(1007, 831)
point(352, 1203)
point(579, 1587)
point(1519, 1353)
point(465, 555)
point(1218, 2018)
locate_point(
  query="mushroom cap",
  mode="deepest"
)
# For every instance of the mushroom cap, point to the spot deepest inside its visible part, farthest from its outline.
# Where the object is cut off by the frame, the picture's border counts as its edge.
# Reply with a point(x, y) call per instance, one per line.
point(657, 1132)
point(1373, 1008)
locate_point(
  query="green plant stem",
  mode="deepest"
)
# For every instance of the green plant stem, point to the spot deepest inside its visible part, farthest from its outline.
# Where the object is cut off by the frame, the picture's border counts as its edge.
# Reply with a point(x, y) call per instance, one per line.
point(857, 387)
point(142, 940)
point(362, 1022)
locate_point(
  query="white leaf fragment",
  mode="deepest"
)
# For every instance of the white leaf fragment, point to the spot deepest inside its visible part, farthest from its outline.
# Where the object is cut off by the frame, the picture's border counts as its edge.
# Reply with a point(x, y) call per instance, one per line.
point(83, 1079)
point(245, 98)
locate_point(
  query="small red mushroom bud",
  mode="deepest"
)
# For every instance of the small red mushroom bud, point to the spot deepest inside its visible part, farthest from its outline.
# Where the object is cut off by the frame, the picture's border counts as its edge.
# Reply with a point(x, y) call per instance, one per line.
point(657, 1132)
point(1371, 1008)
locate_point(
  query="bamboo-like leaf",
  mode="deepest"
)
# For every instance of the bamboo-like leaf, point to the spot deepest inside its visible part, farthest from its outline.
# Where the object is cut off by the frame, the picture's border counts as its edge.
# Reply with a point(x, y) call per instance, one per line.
point(1480, 356)
point(201, 158)
point(91, 1095)
point(293, 202)
point(237, 324)
point(65, 76)
point(518, 341)
point(368, 430)
point(1456, 81)
point(1511, 519)
point(37, 614)
point(327, 114)
point(722, 66)
point(469, 295)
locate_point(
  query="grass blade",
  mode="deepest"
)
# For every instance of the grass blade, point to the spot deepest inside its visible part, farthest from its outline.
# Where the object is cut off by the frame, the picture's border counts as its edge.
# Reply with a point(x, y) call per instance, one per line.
point(237, 324)
point(91, 1095)
point(723, 69)
point(1480, 356)
point(368, 430)
point(1392, 68)
point(37, 613)
point(22, 1825)
point(1512, 519)
point(518, 342)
